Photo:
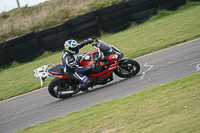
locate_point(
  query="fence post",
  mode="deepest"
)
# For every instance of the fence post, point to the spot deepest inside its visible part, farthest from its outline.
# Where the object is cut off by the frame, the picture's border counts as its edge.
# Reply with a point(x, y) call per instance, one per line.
point(18, 4)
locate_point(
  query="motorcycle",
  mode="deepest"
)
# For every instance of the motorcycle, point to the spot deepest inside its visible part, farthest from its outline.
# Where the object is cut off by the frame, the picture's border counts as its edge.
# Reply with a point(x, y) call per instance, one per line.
point(107, 58)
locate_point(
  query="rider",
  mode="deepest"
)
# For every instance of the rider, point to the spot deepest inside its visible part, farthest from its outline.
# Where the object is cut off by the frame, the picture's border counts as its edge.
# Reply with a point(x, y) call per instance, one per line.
point(71, 67)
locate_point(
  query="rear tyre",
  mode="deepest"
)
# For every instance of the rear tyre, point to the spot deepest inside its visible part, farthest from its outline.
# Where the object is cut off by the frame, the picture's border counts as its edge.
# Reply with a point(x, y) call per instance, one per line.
point(127, 69)
point(57, 85)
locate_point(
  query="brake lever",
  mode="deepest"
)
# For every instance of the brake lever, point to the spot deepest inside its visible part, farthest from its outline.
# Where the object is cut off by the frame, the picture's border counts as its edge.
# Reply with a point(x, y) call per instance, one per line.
point(93, 44)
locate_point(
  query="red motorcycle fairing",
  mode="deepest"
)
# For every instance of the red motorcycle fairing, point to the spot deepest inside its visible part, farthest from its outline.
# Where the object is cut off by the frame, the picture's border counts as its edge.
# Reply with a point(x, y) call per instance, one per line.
point(109, 64)
point(106, 73)
point(57, 71)
point(89, 58)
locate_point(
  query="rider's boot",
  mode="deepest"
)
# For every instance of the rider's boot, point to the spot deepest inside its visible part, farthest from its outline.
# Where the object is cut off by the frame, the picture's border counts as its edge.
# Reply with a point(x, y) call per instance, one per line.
point(89, 82)
point(84, 86)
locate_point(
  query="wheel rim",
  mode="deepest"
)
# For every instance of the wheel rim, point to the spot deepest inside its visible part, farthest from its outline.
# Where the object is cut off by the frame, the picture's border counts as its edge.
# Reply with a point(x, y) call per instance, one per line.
point(127, 69)
point(56, 89)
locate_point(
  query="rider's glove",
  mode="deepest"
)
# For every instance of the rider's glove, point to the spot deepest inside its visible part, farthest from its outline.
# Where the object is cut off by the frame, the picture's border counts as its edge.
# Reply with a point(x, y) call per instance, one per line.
point(88, 41)
point(85, 42)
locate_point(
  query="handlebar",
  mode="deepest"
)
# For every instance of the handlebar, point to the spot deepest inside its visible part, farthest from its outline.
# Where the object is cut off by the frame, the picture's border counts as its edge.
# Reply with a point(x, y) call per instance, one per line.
point(95, 41)
point(96, 44)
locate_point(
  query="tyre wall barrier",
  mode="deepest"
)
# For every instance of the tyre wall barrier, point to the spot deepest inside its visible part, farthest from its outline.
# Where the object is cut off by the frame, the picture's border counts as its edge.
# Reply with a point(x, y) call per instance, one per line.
point(5, 56)
point(53, 39)
point(141, 10)
point(84, 26)
point(24, 48)
point(113, 18)
point(110, 19)
point(171, 4)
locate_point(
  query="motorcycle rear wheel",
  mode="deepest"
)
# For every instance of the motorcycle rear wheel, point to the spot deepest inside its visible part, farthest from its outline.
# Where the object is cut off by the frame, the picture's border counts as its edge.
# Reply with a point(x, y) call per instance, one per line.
point(128, 69)
point(58, 84)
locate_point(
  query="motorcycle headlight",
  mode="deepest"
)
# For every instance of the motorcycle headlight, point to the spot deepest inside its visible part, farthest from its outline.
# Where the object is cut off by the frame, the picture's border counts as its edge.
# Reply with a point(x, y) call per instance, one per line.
point(115, 56)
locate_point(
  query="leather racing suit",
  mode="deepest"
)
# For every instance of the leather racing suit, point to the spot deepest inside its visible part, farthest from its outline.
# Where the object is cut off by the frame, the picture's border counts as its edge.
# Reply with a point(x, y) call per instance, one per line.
point(71, 67)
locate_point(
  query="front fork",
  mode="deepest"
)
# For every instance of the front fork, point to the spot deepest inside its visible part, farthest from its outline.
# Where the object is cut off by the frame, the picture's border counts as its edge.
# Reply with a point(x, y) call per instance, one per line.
point(119, 67)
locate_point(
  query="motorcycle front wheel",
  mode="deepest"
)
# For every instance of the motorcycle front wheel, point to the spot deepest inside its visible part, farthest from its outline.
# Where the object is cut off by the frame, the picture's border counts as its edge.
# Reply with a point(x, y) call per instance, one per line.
point(127, 69)
point(59, 88)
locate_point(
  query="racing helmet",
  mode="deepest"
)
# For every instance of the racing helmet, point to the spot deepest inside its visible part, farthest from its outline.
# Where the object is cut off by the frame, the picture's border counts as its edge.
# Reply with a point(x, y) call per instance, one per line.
point(71, 46)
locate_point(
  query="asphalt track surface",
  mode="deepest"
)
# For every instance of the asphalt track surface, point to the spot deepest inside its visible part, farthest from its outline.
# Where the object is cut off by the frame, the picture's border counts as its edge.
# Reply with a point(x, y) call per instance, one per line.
point(156, 68)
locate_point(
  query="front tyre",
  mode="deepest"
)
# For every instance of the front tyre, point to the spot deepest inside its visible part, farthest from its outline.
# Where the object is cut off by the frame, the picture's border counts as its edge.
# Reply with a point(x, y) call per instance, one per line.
point(58, 85)
point(127, 68)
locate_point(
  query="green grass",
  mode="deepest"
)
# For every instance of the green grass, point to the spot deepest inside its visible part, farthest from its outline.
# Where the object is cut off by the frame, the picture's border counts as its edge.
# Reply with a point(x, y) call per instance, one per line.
point(159, 33)
point(136, 41)
point(168, 108)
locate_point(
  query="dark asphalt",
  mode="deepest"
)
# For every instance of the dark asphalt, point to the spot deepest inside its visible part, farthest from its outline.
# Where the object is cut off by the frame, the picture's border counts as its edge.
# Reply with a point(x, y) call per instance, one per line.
point(160, 67)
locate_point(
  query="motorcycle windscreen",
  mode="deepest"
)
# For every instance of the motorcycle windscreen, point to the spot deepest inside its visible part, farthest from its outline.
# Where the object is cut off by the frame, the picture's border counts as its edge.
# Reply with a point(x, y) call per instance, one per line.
point(106, 49)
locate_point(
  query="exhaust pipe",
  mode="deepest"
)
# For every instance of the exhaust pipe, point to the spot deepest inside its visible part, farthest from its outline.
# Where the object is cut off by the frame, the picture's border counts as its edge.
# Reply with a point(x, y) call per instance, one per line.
point(64, 94)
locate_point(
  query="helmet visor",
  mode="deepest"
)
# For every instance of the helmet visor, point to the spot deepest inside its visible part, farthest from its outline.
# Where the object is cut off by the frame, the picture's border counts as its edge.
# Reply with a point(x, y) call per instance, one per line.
point(74, 50)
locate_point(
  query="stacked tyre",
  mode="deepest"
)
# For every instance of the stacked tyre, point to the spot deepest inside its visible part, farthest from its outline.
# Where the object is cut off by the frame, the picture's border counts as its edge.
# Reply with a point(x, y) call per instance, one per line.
point(171, 4)
point(5, 58)
point(53, 39)
point(24, 48)
point(84, 26)
point(141, 10)
point(113, 18)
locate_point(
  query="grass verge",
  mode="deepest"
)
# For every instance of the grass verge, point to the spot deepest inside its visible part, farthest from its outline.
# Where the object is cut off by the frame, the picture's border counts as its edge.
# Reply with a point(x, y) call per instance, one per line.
point(181, 26)
point(168, 108)
point(50, 13)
